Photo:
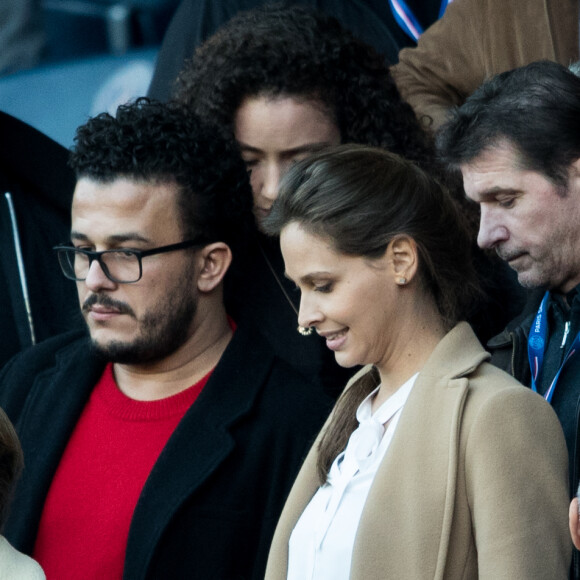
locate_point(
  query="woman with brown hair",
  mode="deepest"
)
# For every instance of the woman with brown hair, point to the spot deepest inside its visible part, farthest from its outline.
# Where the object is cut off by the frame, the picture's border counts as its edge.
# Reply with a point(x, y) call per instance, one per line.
point(433, 464)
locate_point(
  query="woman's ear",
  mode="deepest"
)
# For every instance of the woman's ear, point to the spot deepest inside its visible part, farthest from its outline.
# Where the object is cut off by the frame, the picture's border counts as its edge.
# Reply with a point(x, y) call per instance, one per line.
point(403, 258)
point(216, 259)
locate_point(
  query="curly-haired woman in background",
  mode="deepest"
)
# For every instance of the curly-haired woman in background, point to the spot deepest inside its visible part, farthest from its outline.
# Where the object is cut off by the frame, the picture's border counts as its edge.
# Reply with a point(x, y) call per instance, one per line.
point(287, 82)
point(294, 65)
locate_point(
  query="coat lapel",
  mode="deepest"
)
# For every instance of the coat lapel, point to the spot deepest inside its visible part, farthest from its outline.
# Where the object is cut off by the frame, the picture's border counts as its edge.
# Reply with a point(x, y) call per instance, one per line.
point(411, 500)
point(407, 518)
point(410, 504)
point(202, 441)
point(44, 427)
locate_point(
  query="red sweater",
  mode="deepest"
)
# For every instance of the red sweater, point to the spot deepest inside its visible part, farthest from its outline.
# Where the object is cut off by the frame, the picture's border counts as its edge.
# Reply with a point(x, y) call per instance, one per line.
point(86, 517)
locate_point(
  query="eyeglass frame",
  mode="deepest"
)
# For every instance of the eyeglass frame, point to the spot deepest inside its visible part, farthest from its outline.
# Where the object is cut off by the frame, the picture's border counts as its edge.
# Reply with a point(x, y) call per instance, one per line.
point(140, 254)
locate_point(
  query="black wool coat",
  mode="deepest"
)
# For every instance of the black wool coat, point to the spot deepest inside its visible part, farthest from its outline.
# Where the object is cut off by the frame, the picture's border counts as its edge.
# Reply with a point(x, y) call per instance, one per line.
point(210, 505)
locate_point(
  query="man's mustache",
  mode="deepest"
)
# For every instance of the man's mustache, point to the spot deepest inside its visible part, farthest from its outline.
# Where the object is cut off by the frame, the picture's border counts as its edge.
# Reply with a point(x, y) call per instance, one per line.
point(104, 300)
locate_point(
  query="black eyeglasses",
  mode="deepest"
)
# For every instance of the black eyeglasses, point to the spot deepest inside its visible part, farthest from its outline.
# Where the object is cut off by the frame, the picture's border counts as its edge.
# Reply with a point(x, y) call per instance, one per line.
point(121, 266)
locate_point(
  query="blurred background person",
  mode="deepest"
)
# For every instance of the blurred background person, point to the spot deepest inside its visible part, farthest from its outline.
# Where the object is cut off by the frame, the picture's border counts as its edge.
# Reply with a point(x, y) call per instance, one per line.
point(36, 188)
point(22, 38)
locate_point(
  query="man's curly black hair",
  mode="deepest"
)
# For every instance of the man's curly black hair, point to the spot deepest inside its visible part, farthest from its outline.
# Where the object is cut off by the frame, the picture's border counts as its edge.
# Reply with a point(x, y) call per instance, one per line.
point(295, 51)
point(162, 143)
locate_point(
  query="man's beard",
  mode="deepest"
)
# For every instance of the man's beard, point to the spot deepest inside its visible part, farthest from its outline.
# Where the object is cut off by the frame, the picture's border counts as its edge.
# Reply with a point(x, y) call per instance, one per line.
point(161, 331)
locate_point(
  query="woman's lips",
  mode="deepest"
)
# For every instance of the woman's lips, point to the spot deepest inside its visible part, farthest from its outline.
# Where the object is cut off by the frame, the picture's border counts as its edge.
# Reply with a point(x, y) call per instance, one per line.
point(334, 340)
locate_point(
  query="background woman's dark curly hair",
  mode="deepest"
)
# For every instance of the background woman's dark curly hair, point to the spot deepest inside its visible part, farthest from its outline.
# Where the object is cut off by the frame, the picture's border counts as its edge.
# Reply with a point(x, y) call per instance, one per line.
point(294, 51)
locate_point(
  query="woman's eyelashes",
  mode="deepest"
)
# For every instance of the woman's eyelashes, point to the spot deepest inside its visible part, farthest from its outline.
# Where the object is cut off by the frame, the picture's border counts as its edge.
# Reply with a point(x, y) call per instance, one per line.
point(325, 288)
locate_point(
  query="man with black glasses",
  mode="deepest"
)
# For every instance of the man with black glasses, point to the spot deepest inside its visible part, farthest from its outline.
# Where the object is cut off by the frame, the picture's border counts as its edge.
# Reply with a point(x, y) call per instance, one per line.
point(163, 444)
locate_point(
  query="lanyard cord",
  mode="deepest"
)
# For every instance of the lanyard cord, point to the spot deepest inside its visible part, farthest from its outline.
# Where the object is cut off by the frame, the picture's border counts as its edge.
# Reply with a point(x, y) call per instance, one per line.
point(537, 345)
point(407, 20)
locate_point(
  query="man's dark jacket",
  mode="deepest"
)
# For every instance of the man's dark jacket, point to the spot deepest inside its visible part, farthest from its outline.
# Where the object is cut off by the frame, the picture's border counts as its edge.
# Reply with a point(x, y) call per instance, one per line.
point(509, 351)
point(210, 505)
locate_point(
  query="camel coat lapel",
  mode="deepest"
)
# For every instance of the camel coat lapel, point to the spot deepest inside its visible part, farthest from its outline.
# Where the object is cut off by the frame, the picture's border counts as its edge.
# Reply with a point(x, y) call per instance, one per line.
point(417, 522)
point(417, 482)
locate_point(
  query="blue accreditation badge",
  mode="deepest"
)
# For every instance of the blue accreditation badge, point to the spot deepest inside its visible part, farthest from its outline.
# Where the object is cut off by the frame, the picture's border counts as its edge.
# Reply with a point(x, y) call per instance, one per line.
point(537, 346)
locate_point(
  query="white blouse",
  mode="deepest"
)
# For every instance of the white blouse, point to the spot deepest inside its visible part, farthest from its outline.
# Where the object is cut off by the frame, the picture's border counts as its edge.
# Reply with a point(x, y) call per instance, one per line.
point(320, 547)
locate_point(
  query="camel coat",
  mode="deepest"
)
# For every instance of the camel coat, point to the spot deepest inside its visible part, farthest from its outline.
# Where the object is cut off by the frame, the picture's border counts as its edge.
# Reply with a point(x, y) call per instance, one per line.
point(474, 484)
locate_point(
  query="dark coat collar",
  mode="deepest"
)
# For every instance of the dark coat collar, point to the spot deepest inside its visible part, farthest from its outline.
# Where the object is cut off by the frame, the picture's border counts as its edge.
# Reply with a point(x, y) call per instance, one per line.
point(229, 395)
point(57, 398)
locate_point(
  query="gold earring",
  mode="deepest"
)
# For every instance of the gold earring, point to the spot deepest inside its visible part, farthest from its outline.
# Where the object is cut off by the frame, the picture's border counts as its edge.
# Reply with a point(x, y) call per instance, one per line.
point(305, 331)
